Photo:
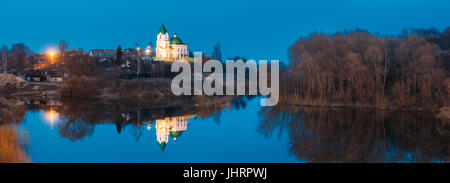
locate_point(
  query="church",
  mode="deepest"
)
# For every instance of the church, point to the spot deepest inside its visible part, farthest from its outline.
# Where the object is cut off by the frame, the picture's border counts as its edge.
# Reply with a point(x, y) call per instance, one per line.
point(172, 49)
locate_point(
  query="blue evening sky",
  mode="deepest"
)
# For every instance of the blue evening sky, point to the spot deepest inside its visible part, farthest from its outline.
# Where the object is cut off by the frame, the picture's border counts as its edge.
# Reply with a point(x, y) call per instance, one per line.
point(259, 29)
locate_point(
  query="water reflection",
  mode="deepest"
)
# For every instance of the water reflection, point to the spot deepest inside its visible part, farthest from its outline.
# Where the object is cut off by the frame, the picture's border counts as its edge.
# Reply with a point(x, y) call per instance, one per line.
point(51, 116)
point(351, 135)
point(173, 126)
point(314, 134)
point(11, 111)
point(76, 119)
point(14, 146)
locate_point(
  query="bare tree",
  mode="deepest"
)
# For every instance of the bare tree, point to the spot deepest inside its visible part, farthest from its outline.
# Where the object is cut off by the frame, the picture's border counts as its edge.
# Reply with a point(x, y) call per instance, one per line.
point(217, 53)
point(19, 56)
point(4, 58)
point(63, 46)
point(358, 68)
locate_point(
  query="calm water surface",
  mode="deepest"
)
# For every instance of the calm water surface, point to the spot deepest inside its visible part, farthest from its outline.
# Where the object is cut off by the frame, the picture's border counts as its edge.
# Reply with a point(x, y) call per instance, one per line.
point(238, 130)
point(231, 135)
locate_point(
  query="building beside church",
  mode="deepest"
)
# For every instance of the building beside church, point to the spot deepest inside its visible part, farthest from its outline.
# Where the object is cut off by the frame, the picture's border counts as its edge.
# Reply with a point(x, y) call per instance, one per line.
point(170, 49)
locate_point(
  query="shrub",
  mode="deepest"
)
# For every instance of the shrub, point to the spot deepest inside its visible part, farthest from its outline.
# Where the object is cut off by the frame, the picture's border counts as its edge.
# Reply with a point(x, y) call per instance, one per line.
point(82, 87)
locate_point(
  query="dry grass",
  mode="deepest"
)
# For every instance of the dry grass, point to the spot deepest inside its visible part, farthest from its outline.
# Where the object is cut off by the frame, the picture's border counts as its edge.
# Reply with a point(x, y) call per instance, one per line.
point(12, 145)
point(153, 88)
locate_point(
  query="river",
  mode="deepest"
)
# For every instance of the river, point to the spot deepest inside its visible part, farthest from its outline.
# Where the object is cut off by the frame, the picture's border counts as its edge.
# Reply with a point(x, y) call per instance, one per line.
point(232, 130)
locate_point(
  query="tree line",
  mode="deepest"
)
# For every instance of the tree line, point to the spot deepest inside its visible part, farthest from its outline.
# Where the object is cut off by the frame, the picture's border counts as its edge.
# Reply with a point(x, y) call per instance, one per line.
point(20, 57)
point(17, 57)
point(411, 70)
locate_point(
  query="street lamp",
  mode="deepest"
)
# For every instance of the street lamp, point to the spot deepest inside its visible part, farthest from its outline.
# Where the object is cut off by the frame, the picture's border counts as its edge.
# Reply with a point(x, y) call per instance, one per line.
point(51, 53)
point(138, 52)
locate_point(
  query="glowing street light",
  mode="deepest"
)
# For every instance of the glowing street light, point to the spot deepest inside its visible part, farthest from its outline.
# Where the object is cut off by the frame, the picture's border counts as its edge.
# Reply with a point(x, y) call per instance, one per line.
point(138, 69)
point(148, 50)
point(52, 54)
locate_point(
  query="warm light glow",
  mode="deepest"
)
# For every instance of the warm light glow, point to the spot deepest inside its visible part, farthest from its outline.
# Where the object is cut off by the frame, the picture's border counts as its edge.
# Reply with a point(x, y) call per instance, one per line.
point(52, 54)
point(51, 116)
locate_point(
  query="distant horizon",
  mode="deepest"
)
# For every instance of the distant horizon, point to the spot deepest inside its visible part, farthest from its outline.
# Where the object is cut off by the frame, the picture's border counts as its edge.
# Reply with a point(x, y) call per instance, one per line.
point(55, 45)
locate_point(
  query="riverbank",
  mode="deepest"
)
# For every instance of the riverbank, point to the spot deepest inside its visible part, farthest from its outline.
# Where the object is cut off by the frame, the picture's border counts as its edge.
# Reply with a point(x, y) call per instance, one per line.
point(106, 89)
point(442, 113)
point(342, 105)
point(14, 86)
point(148, 91)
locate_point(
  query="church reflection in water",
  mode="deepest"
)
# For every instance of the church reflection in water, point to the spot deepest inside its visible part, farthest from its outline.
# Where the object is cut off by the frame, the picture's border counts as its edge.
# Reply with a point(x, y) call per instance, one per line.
point(171, 126)
point(167, 127)
point(76, 120)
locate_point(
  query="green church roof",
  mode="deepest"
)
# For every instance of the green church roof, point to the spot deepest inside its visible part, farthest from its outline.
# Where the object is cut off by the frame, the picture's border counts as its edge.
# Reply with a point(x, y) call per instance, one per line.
point(162, 146)
point(162, 29)
point(175, 133)
point(176, 40)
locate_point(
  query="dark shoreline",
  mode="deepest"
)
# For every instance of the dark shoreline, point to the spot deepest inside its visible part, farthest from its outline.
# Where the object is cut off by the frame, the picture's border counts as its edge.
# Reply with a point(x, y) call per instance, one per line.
point(353, 106)
point(441, 113)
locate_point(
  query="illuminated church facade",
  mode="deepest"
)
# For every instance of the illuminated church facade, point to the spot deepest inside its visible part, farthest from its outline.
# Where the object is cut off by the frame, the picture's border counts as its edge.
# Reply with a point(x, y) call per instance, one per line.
point(170, 49)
